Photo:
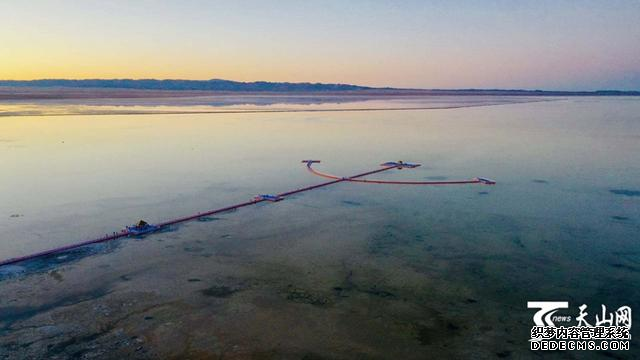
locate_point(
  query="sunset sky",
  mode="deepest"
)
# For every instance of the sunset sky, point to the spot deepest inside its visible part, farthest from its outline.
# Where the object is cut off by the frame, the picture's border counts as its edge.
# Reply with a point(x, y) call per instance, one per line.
point(564, 45)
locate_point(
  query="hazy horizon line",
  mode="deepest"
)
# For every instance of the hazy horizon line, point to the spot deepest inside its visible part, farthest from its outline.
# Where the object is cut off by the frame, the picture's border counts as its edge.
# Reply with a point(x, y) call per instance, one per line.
point(328, 84)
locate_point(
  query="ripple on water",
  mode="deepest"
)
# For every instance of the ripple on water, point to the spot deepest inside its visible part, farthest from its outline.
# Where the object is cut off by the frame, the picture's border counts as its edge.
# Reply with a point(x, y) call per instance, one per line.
point(219, 291)
point(351, 203)
point(540, 181)
point(620, 218)
point(625, 192)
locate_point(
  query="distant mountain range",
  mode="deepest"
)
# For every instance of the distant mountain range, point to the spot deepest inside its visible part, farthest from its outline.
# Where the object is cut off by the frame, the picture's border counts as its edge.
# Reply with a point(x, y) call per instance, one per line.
point(202, 85)
point(264, 86)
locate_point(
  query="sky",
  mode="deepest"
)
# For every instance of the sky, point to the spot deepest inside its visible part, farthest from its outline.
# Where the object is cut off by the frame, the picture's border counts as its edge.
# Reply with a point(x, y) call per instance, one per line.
point(555, 45)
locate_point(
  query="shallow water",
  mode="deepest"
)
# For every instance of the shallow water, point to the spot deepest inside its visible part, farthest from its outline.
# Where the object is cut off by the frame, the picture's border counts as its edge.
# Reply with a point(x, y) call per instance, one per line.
point(249, 104)
point(354, 269)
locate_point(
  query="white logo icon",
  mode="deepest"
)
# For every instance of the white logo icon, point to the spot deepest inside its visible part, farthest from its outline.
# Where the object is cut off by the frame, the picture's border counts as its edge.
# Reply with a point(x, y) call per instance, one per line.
point(547, 309)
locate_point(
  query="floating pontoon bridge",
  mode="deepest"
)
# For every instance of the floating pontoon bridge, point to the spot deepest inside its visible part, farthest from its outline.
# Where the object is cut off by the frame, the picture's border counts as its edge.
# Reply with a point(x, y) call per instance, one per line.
point(143, 227)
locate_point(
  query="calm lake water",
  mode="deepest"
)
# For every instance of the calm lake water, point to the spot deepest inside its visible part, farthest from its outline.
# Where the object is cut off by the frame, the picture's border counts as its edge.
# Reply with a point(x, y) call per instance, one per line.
point(351, 270)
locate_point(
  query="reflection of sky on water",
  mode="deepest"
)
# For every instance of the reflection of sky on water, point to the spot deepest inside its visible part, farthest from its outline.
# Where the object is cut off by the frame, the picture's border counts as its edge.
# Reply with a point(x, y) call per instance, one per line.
point(553, 160)
point(247, 103)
